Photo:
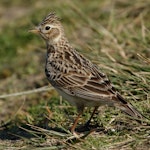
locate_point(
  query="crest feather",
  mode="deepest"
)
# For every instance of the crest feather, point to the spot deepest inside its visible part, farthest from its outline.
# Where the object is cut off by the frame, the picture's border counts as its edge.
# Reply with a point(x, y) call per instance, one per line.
point(51, 18)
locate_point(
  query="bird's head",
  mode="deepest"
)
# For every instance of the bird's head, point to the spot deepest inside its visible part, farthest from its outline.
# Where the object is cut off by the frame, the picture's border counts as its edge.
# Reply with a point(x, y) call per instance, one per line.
point(50, 29)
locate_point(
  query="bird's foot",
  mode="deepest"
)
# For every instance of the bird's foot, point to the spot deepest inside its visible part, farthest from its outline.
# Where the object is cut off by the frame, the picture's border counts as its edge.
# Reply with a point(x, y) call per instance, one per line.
point(79, 137)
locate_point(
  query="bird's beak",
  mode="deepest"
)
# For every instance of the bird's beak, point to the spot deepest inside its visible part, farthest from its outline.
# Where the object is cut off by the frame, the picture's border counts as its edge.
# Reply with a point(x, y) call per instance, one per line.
point(36, 30)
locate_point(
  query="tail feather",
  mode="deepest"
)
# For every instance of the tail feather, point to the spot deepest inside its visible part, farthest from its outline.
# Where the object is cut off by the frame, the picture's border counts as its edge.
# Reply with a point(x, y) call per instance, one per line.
point(129, 109)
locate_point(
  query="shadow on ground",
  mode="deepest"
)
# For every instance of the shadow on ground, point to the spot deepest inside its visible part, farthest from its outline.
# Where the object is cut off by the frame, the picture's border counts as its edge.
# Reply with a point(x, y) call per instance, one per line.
point(10, 131)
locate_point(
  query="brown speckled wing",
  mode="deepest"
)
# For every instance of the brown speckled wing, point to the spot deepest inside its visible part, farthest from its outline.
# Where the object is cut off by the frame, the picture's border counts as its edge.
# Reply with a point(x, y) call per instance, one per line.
point(86, 87)
point(81, 78)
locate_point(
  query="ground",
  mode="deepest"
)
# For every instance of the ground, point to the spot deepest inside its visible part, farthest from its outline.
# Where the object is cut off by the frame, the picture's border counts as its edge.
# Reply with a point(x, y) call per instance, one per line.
point(115, 35)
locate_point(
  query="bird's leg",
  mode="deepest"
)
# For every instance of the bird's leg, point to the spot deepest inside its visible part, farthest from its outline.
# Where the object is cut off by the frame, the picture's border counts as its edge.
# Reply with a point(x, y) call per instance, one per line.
point(74, 126)
point(75, 123)
point(88, 122)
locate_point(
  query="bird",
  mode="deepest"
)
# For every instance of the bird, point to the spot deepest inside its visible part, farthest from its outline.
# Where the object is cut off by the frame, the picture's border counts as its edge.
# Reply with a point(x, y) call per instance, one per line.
point(75, 77)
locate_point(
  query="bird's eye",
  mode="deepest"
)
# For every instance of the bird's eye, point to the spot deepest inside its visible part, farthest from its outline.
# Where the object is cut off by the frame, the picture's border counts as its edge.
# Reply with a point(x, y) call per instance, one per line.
point(47, 27)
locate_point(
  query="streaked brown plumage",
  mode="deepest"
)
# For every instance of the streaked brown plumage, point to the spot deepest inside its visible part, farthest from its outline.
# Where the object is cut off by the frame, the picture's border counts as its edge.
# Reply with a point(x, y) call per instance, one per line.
point(76, 78)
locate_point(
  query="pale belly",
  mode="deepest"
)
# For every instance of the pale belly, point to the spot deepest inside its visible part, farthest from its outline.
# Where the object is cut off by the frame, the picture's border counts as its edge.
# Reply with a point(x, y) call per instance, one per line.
point(80, 102)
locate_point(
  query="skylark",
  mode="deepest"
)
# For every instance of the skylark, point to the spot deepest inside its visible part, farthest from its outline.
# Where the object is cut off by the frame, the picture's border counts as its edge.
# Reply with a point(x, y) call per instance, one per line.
point(75, 77)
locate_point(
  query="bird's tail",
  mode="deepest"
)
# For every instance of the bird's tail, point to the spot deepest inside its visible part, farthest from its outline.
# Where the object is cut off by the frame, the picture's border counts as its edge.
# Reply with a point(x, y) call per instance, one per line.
point(129, 109)
point(132, 111)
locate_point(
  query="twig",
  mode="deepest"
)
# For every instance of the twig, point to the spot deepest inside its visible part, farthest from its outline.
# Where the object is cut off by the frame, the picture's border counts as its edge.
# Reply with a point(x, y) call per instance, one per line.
point(45, 88)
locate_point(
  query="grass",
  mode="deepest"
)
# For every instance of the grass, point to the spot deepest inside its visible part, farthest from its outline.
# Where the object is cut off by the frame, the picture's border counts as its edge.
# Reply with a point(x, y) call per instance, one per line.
point(113, 34)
